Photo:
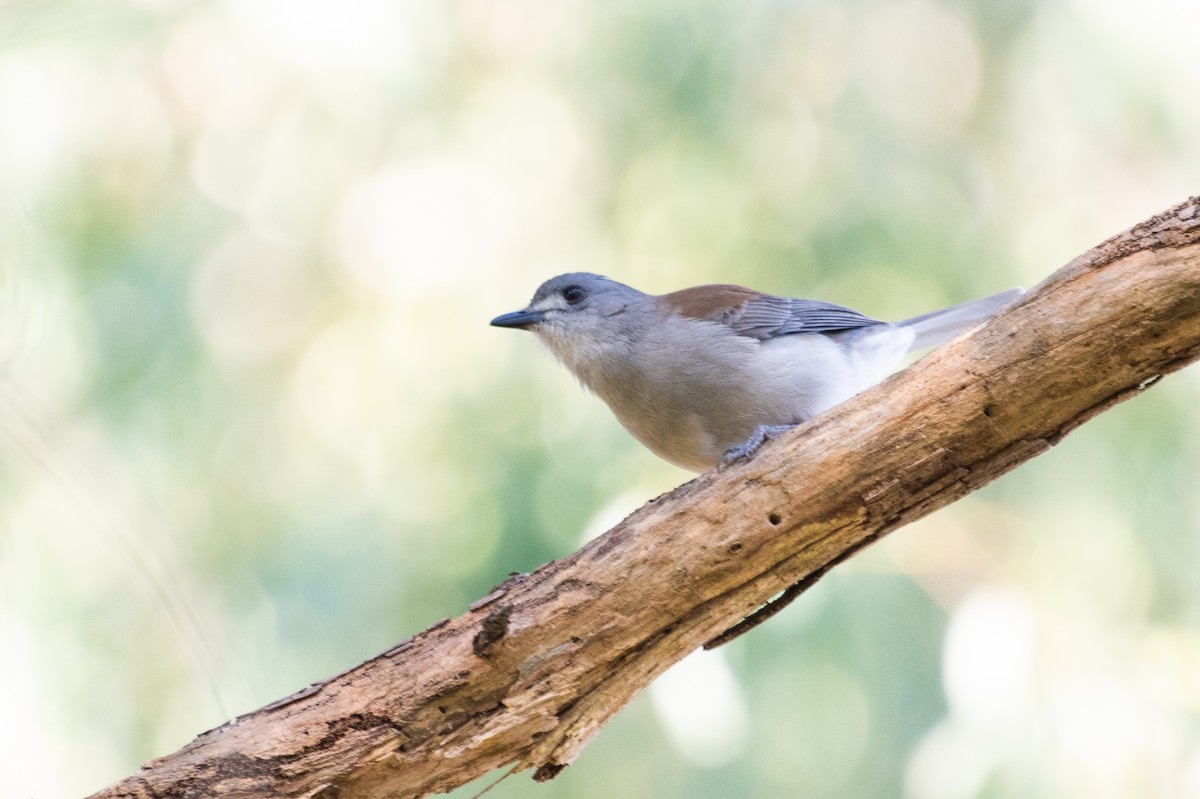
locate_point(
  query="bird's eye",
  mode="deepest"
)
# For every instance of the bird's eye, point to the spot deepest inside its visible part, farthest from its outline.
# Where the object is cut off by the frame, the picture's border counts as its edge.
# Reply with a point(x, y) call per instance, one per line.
point(573, 295)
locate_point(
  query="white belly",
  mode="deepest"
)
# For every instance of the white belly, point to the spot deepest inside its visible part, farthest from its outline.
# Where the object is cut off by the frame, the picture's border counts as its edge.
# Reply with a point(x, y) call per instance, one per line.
point(690, 404)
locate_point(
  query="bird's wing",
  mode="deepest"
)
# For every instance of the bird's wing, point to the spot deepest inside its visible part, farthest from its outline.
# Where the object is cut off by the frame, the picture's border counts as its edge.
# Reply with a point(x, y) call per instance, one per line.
point(763, 316)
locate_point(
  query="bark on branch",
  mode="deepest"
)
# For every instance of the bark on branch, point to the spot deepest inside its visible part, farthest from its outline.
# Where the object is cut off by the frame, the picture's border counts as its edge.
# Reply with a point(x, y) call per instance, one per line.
point(538, 666)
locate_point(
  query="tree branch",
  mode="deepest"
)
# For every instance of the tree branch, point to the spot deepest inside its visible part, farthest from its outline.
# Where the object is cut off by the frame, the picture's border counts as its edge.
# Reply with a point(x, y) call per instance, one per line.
point(537, 667)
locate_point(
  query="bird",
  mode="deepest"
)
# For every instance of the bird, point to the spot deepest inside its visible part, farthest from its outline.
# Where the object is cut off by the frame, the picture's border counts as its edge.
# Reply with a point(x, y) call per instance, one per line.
point(705, 375)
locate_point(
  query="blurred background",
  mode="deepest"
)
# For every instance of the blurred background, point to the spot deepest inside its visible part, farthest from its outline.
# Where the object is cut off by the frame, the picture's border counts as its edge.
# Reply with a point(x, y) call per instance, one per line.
point(254, 427)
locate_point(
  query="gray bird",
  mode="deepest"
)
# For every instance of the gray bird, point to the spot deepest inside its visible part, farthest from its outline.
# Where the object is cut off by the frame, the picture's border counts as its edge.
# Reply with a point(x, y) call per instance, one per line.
point(704, 375)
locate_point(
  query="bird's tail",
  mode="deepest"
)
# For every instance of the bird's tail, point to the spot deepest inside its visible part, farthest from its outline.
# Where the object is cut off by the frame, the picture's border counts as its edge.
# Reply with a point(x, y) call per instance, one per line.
point(939, 327)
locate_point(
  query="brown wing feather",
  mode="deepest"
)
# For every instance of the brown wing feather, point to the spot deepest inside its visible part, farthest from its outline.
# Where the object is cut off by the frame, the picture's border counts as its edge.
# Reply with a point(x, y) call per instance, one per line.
point(762, 316)
point(710, 302)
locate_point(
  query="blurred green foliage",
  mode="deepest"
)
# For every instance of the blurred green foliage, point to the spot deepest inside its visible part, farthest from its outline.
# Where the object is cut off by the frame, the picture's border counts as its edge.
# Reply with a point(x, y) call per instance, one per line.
point(254, 428)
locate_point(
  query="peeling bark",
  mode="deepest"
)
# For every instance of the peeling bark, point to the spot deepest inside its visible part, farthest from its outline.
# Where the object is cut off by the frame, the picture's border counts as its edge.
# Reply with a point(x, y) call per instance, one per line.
point(532, 671)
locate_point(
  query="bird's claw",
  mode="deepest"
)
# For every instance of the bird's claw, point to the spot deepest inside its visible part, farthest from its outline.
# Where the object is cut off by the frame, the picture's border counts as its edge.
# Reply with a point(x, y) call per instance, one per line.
point(747, 449)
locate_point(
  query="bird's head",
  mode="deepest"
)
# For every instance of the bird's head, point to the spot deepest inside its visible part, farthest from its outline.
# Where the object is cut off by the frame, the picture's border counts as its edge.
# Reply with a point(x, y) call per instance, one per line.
point(581, 317)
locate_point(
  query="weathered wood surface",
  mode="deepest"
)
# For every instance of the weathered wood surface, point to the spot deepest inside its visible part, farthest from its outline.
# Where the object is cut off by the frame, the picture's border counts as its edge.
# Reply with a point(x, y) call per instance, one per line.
point(536, 668)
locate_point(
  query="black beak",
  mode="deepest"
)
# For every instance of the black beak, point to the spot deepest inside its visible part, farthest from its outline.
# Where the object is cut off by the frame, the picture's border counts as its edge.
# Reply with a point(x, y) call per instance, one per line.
point(520, 319)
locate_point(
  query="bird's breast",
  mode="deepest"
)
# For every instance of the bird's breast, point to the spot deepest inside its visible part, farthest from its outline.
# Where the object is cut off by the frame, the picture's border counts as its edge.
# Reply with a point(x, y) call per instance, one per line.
point(689, 392)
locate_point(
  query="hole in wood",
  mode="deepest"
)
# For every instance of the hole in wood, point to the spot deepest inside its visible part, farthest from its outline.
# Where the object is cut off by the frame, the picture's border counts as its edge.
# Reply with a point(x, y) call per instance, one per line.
point(774, 519)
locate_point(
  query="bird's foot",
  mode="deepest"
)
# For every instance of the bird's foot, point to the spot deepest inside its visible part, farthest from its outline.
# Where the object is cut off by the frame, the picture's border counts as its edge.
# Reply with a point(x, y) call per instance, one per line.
point(745, 451)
